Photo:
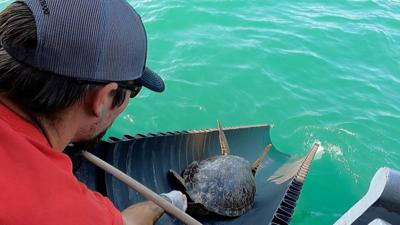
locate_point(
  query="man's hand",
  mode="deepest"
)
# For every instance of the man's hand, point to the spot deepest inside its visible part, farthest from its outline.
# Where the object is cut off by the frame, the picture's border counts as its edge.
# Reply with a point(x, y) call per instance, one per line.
point(147, 213)
point(177, 199)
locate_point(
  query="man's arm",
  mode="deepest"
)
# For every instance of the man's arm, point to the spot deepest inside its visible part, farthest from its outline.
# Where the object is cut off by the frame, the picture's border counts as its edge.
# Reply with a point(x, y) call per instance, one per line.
point(144, 213)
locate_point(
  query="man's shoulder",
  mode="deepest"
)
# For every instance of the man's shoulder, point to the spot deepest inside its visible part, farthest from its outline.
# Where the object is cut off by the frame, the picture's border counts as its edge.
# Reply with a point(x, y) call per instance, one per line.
point(16, 127)
point(38, 183)
point(10, 138)
point(14, 142)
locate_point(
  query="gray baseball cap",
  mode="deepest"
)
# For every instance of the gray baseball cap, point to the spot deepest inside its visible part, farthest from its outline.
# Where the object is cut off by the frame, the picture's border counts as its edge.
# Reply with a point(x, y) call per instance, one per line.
point(94, 40)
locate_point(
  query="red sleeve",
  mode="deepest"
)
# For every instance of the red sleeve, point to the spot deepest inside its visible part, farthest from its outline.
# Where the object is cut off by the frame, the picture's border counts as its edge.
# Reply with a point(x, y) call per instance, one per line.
point(97, 198)
point(115, 213)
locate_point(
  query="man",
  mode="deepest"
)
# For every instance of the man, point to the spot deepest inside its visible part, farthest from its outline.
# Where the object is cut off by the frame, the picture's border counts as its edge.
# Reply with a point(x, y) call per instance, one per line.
point(67, 70)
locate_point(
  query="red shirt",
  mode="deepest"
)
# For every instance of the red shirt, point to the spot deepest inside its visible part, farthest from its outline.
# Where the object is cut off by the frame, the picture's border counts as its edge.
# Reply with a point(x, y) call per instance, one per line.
point(37, 185)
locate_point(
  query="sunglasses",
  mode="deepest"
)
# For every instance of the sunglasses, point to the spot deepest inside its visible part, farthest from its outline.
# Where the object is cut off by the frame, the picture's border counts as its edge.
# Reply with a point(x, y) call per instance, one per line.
point(133, 86)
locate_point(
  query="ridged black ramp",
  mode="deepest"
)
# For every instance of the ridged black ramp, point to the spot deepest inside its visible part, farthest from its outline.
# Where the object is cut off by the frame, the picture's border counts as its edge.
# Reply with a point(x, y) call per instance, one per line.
point(147, 158)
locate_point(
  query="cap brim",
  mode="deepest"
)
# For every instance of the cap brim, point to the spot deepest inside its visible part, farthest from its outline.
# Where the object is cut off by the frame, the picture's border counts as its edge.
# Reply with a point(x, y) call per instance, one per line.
point(151, 80)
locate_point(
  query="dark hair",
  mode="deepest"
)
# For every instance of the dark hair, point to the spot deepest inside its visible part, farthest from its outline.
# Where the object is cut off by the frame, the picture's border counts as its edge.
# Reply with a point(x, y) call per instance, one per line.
point(38, 92)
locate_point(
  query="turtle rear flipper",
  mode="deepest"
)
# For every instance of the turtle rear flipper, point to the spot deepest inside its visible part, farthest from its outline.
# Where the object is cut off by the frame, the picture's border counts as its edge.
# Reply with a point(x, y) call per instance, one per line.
point(225, 150)
point(260, 159)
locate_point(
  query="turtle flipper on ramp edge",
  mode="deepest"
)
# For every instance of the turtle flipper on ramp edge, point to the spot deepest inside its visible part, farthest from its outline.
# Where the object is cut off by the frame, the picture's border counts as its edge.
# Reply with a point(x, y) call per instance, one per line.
point(225, 150)
point(260, 159)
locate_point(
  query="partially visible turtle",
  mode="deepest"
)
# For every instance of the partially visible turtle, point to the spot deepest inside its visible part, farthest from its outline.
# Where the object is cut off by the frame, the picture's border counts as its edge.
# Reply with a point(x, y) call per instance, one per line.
point(223, 184)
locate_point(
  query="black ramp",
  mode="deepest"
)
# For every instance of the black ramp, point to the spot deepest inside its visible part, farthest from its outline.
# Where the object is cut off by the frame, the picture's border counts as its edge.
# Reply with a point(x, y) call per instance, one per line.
point(147, 158)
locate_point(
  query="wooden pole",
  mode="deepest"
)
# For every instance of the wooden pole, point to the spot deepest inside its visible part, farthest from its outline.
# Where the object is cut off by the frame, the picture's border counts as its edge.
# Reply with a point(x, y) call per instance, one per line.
point(143, 190)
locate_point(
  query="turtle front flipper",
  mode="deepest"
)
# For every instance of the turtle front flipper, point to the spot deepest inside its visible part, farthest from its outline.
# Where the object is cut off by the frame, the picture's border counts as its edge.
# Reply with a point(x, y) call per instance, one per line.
point(225, 150)
point(258, 162)
point(178, 178)
point(197, 210)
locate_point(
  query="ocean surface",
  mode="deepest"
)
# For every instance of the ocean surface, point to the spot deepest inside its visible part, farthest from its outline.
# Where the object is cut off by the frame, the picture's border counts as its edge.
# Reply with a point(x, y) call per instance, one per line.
point(325, 71)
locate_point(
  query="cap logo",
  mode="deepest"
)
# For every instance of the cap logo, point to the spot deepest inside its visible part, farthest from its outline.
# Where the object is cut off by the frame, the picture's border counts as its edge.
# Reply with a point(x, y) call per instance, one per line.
point(45, 7)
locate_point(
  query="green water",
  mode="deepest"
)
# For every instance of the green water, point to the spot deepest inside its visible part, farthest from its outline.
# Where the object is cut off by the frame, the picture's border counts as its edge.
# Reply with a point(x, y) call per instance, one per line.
point(326, 71)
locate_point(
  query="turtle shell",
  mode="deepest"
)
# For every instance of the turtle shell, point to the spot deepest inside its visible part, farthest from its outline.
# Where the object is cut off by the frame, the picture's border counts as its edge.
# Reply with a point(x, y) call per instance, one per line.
point(222, 184)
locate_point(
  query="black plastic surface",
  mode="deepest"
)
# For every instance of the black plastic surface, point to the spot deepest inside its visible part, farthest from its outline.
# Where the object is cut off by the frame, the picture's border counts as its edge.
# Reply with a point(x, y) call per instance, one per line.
point(147, 158)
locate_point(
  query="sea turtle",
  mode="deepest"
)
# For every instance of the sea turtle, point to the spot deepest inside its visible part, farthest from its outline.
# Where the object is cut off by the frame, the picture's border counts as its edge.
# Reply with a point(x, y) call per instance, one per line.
point(223, 184)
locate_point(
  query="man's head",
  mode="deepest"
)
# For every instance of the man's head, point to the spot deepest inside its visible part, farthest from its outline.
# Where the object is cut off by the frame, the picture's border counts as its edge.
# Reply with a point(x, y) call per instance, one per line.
point(58, 54)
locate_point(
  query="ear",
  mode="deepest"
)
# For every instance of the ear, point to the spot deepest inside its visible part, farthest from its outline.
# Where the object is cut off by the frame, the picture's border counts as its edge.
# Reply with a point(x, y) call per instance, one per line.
point(102, 99)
